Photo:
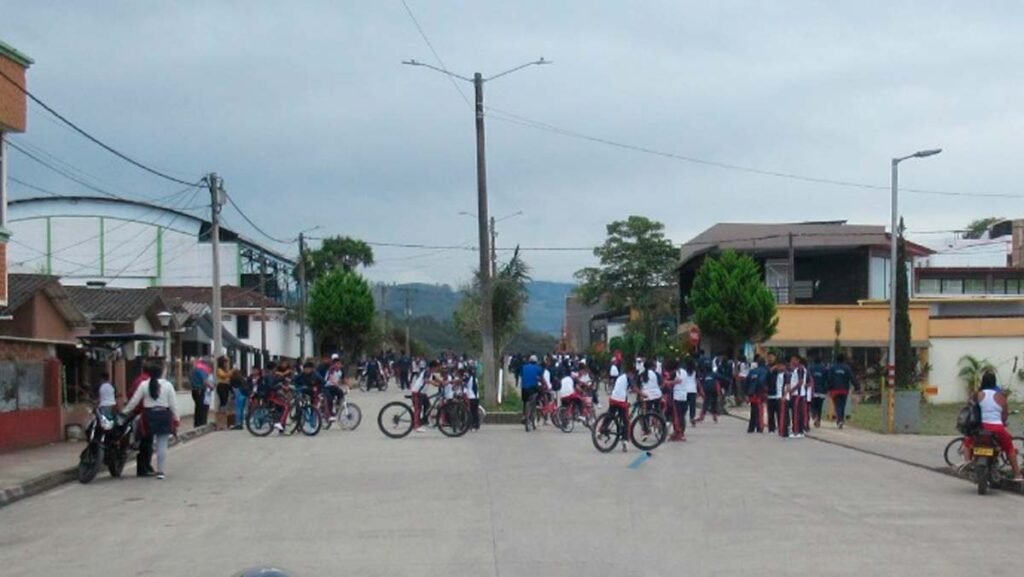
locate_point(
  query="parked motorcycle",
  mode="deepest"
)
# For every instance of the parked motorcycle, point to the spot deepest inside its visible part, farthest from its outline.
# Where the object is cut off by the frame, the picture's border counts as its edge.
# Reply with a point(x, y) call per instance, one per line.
point(109, 441)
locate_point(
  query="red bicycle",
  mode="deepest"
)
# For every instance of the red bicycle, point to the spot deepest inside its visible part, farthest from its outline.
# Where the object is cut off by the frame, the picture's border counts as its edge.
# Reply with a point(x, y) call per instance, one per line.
point(576, 407)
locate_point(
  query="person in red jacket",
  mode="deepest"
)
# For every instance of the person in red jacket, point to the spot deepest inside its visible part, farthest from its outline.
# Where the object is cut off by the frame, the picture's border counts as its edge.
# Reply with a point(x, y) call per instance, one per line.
point(144, 458)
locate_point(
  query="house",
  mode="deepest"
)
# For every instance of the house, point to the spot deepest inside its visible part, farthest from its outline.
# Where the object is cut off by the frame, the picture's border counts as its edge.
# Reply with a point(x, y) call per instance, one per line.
point(248, 315)
point(41, 364)
point(13, 119)
point(839, 290)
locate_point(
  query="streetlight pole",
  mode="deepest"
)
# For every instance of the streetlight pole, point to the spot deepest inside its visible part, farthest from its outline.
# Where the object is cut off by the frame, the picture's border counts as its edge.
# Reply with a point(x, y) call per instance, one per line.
point(487, 356)
point(894, 269)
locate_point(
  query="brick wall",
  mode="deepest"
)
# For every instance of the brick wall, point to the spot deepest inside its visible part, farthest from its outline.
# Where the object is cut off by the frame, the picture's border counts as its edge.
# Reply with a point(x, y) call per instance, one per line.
point(23, 351)
point(12, 100)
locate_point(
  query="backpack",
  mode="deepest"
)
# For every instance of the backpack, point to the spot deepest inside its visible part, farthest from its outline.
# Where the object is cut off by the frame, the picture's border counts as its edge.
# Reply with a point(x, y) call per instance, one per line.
point(968, 420)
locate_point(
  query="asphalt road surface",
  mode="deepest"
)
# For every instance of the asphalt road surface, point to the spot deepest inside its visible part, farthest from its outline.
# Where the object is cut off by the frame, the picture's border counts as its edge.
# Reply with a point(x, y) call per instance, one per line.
point(502, 502)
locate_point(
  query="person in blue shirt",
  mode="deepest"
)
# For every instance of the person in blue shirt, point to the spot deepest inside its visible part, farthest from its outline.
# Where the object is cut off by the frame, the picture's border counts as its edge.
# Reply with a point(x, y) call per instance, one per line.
point(530, 377)
point(756, 387)
point(819, 372)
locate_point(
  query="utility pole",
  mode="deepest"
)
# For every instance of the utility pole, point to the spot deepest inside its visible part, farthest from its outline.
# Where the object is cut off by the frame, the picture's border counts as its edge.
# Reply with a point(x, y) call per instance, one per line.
point(216, 186)
point(302, 296)
point(487, 356)
point(408, 314)
point(263, 310)
point(791, 276)
point(494, 250)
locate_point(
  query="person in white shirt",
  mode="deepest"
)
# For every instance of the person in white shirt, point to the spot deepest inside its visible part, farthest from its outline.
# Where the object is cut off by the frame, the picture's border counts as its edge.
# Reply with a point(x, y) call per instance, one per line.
point(675, 383)
point(689, 386)
point(613, 374)
point(472, 395)
point(650, 390)
point(618, 399)
point(420, 398)
point(161, 412)
point(107, 397)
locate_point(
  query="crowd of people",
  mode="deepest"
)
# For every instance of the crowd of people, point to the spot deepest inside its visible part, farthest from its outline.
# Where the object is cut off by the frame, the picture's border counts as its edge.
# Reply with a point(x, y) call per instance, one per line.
point(785, 396)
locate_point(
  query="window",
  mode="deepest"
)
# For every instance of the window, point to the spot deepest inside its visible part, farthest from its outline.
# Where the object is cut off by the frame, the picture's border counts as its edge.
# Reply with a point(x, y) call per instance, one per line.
point(242, 326)
point(954, 286)
point(974, 286)
point(1012, 286)
point(928, 286)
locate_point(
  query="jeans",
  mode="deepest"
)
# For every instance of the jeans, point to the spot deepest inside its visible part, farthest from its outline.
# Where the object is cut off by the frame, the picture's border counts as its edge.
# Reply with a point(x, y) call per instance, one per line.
point(474, 413)
point(710, 401)
point(839, 405)
point(816, 406)
point(202, 409)
point(161, 452)
point(691, 404)
point(755, 423)
point(144, 459)
point(241, 399)
point(774, 415)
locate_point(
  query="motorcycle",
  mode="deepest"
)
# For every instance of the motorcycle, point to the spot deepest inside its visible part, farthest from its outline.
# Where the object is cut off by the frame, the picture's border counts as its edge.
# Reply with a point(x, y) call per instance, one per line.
point(989, 465)
point(109, 441)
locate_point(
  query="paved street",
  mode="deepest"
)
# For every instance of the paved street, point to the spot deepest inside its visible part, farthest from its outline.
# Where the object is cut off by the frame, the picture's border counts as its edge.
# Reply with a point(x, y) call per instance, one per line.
point(501, 502)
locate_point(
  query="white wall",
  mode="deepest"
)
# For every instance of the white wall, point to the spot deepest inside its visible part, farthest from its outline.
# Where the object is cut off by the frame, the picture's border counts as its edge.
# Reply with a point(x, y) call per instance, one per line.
point(878, 278)
point(282, 335)
point(945, 354)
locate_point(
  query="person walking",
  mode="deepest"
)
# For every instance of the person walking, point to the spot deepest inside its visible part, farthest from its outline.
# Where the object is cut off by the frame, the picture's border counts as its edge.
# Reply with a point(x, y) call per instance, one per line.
point(756, 386)
point(797, 382)
point(677, 382)
point(223, 382)
point(473, 396)
point(778, 379)
point(198, 379)
point(710, 392)
point(819, 386)
point(158, 398)
point(530, 375)
point(841, 381)
point(144, 456)
point(241, 389)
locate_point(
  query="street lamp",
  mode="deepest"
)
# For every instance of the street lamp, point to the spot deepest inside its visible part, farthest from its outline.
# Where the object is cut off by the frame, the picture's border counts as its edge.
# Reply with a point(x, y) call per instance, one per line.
point(893, 268)
point(165, 323)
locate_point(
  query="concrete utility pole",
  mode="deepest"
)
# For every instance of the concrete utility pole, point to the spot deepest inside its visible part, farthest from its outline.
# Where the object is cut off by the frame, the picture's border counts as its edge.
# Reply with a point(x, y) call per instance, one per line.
point(263, 310)
point(408, 315)
point(494, 250)
point(302, 296)
point(216, 186)
point(487, 356)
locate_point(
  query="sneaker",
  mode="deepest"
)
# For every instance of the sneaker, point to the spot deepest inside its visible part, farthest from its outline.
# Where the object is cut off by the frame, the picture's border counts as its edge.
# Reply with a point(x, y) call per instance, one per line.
point(279, 427)
point(332, 420)
point(420, 429)
point(160, 476)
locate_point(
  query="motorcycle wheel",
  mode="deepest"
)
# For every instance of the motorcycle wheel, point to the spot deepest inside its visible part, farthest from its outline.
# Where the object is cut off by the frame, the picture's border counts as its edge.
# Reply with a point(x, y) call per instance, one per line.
point(88, 464)
point(981, 475)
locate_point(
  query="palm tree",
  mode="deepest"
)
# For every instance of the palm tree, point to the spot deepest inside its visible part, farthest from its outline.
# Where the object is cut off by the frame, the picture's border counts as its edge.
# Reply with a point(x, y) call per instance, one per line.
point(971, 370)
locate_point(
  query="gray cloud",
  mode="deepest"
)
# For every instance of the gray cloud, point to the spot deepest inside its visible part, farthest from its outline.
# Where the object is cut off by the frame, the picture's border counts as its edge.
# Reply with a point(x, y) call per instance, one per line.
point(306, 112)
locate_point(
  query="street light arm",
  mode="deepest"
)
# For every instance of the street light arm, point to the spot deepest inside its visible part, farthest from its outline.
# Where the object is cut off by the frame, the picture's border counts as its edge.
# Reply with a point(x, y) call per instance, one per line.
point(518, 68)
point(435, 68)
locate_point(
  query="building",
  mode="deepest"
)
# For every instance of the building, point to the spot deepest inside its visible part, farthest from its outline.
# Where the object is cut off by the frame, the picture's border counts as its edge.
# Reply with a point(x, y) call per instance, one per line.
point(127, 244)
point(41, 362)
point(839, 290)
point(13, 119)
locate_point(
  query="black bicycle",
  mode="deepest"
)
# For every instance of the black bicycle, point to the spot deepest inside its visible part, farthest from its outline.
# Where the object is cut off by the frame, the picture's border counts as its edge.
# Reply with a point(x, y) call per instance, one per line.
point(647, 431)
point(450, 416)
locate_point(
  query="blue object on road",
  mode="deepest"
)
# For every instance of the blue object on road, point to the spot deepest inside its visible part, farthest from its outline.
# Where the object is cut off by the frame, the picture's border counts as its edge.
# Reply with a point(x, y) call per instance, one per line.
point(640, 460)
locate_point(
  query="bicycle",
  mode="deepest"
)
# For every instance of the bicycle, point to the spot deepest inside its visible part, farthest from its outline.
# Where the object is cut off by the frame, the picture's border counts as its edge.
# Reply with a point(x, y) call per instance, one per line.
point(647, 432)
point(954, 452)
point(451, 417)
point(348, 414)
point(547, 408)
point(263, 414)
point(579, 408)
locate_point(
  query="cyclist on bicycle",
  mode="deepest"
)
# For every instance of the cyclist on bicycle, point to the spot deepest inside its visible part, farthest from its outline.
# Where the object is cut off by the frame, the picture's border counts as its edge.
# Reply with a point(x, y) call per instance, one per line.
point(420, 398)
point(308, 382)
point(270, 387)
point(335, 389)
point(650, 388)
point(530, 382)
point(618, 400)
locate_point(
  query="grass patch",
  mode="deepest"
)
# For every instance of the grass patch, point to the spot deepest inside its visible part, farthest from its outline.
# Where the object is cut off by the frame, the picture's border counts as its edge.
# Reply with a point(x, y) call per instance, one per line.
point(935, 419)
point(511, 402)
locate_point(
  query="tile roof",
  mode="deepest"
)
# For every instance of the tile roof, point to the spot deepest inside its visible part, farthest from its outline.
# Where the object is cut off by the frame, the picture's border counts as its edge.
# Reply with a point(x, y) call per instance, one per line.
point(230, 296)
point(113, 305)
point(21, 288)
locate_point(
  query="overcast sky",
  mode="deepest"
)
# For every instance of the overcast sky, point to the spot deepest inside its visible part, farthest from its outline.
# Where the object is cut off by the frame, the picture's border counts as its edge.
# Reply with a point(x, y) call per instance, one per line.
point(306, 111)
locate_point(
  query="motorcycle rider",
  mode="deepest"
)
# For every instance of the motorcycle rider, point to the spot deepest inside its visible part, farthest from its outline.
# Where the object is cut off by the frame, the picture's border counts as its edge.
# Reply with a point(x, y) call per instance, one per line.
point(994, 412)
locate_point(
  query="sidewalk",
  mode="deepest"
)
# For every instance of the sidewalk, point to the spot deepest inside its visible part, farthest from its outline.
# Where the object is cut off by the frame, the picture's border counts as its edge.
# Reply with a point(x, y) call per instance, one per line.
point(31, 471)
point(924, 451)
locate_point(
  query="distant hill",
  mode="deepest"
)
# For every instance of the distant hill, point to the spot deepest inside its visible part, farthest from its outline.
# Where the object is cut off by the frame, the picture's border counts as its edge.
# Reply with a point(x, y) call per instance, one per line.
point(544, 311)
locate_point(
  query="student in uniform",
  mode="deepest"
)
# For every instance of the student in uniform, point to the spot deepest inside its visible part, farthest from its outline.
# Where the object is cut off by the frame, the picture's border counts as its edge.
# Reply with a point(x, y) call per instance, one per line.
point(690, 388)
point(756, 385)
point(473, 396)
point(677, 382)
point(841, 381)
point(797, 381)
point(650, 390)
point(778, 379)
point(819, 375)
point(710, 392)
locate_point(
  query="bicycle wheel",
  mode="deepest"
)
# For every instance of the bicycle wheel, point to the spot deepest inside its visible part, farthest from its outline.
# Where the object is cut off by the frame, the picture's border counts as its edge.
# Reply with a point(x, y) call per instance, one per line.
point(954, 452)
point(453, 419)
point(395, 419)
point(349, 416)
point(310, 421)
point(648, 431)
point(566, 418)
point(607, 433)
point(260, 421)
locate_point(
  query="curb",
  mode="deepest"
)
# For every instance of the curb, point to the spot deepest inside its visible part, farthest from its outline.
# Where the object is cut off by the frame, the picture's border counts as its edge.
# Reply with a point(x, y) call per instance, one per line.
point(55, 479)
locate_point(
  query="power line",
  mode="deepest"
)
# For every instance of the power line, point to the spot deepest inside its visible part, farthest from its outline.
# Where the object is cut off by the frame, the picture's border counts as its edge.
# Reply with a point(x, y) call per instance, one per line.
point(63, 172)
point(254, 225)
point(523, 121)
point(437, 56)
point(92, 138)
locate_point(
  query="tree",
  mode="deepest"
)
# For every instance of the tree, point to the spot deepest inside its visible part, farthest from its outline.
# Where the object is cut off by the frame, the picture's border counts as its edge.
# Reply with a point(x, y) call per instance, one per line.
point(508, 298)
point(731, 303)
point(906, 363)
point(636, 260)
point(337, 253)
point(971, 370)
point(341, 310)
point(978, 227)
